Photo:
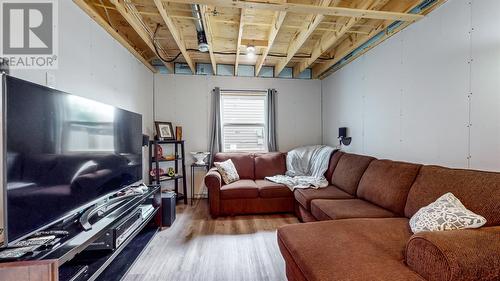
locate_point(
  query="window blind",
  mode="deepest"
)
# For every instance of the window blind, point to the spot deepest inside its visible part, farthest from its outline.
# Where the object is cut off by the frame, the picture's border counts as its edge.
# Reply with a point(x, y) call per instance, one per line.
point(243, 119)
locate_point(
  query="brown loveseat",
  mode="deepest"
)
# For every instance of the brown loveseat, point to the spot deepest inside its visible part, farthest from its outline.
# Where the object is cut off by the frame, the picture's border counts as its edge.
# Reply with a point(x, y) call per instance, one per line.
point(252, 194)
point(364, 232)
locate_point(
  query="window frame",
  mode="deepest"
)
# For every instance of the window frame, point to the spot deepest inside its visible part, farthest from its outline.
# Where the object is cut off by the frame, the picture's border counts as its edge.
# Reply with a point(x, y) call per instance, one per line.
point(265, 125)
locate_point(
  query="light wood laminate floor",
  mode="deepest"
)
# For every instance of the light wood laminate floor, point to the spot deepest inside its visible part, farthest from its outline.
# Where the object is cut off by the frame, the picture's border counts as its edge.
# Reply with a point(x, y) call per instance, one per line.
point(198, 247)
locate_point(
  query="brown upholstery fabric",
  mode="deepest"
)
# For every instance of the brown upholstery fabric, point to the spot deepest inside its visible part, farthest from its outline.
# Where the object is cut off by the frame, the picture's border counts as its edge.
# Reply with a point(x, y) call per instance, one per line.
point(303, 215)
point(269, 164)
point(478, 191)
point(244, 163)
point(268, 189)
point(458, 255)
point(353, 249)
point(387, 183)
point(349, 170)
point(349, 208)
point(334, 160)
point(256, 206)
point(239, 189)
point(305, 196)
point(213, 181)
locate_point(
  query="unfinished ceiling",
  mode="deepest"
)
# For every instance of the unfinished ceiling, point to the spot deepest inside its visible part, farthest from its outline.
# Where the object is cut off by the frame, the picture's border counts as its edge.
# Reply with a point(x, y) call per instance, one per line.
point(319, 34)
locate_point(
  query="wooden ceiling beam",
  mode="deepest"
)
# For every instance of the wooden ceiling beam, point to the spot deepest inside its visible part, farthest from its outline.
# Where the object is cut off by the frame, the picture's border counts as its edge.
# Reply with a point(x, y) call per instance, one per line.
point(135, 20)
point(328, 39)
point(238, 43)
point(175, 34)
point(87, 8)
point(300, 38)
point(306, 9)
point(278, 19)
point(207, 25)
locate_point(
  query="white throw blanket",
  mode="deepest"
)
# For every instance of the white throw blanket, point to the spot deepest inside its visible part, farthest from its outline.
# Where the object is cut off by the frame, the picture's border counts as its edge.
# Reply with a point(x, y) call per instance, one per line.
point(306, 167)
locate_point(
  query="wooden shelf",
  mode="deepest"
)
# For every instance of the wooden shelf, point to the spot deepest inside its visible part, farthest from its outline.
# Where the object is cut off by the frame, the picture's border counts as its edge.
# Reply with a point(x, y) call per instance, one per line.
point(167, 160)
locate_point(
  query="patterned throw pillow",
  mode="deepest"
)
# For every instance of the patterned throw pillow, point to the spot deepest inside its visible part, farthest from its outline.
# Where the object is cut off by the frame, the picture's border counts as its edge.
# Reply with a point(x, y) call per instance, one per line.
point(227, 171)
point(446, 213)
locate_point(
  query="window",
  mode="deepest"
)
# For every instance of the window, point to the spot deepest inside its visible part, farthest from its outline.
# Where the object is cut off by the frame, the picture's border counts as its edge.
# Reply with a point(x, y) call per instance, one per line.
point(182, 68)
point(287, 72)
point(243, 118)
point(225, 70)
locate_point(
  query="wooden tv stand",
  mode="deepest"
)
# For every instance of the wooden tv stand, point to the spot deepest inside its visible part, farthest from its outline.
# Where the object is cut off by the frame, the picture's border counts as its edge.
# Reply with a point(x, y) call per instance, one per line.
point(70, 262)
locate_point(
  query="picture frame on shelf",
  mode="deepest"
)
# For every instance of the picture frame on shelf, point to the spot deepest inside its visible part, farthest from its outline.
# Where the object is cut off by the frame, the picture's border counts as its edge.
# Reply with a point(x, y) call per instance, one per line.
point(164, 130)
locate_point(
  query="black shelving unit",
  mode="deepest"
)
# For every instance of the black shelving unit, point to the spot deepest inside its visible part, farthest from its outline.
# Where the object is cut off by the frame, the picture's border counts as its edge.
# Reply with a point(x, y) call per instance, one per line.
point(154, 162)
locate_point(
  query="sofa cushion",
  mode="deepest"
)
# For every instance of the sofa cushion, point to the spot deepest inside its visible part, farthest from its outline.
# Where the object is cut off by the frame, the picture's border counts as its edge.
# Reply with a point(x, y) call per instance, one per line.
point(349, 171)
point(387, 183)
point(243, 162)
point(478, 191)
point(239, 189)
point(324, 209)
point(268, 189)
point(334, 160)
point(269, 164)
point(305, 196)
point(353, 249)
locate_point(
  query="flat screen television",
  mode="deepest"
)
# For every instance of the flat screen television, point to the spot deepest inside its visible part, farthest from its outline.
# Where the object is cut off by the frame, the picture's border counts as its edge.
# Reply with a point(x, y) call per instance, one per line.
point(61, 153)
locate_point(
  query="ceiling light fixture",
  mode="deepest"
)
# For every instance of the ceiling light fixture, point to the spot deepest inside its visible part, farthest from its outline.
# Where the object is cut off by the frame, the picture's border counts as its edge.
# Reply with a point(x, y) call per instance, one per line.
point(250, 50)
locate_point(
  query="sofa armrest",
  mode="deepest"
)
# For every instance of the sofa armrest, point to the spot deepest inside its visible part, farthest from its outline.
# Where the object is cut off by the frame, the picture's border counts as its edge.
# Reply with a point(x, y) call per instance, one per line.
point(468, 254)
point(213, 181)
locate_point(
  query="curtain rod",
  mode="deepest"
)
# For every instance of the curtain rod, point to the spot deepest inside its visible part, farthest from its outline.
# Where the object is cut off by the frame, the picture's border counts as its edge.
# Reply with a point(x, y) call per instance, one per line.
point(240, 91)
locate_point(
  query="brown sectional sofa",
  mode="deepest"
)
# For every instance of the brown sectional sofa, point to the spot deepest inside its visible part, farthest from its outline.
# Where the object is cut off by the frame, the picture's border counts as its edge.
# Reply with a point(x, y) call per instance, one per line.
point(359, 225)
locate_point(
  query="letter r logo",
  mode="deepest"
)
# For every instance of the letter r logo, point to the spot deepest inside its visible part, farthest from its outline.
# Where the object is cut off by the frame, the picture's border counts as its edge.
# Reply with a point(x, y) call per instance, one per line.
point(27, 28)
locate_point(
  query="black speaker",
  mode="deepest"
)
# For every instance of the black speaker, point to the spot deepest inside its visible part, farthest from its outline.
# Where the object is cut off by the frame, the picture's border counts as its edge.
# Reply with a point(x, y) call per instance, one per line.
point(145, 140)
point(342, 132)
point(168, 203)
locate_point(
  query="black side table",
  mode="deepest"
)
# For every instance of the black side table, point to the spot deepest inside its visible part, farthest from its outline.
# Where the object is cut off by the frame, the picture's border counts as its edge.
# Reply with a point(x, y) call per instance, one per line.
point(193, 167)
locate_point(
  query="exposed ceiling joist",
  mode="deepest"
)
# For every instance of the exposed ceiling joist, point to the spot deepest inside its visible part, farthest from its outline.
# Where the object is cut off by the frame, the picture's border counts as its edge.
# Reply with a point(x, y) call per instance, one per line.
point(238, 43)
point(278, 19)
point(114, 33)
point(328, 39)
point(175, 34)
point(300, 37)
point(306, 9)
point(135, 20)
point(207, 25)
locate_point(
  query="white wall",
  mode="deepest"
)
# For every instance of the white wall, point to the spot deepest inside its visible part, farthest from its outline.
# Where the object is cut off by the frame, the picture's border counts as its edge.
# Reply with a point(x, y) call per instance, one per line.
point(408, 98)
point(185, 101)
point(93, 65)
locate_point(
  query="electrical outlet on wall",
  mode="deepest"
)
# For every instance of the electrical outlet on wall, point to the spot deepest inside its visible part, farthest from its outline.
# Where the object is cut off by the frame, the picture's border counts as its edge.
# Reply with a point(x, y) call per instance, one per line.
point(50, 79)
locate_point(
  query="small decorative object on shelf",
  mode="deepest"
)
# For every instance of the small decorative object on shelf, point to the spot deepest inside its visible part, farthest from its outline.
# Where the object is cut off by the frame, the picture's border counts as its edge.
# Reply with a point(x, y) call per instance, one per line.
point(171, 172)
point(200, 157)
point(159, 152)
point(164, 130)
point(178, 133)
point(155, 172)
point(169, 157)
